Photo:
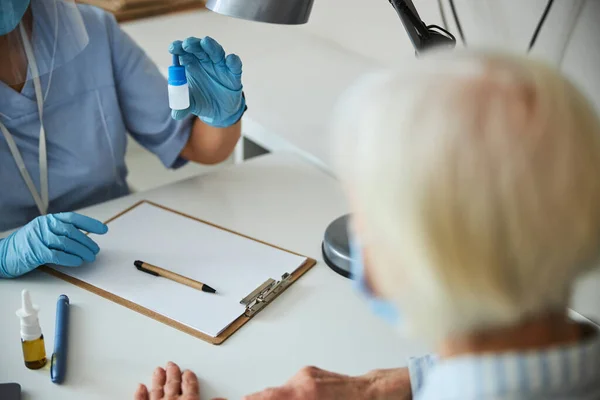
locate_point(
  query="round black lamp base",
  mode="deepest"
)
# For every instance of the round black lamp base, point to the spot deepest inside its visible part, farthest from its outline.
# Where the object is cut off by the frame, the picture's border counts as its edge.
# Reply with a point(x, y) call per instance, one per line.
point(336, 251)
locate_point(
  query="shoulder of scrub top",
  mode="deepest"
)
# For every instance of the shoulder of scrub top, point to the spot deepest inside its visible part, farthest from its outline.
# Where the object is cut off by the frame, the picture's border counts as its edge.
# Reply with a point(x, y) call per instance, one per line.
point(95, 67)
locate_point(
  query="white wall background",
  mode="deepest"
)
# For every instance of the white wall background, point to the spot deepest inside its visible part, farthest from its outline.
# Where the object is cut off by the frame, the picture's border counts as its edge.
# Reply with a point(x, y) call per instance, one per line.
point(293, 75)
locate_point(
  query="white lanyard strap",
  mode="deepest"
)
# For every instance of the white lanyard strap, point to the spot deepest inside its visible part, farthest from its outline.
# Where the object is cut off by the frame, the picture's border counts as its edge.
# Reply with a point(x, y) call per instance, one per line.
point(23, 169)
point(42, 152)
point(41, 200)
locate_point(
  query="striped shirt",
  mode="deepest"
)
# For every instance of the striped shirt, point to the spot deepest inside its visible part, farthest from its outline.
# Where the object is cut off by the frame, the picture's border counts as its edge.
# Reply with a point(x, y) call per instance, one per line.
point(568, 372)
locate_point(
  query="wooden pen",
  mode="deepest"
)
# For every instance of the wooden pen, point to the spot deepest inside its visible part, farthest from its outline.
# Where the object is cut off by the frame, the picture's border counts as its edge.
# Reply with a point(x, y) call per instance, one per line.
point(157, 271)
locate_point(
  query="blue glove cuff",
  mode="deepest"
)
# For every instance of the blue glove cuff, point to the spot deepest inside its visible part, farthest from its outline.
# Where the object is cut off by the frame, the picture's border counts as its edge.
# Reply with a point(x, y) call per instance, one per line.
point(232, 120)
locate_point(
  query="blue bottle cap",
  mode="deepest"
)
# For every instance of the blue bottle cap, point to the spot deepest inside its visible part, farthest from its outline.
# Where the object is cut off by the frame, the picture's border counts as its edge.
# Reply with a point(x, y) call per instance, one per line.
point(177, 73)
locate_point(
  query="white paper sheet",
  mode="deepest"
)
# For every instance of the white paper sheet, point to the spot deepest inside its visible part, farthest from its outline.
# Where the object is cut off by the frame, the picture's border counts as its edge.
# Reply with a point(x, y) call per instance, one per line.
point(230, 263)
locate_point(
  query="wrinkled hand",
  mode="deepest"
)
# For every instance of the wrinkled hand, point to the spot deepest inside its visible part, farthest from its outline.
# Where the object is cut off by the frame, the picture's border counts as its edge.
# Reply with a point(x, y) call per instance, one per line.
point(215, 82)
point(170, 384)
point(50, 239)
point(312, 383)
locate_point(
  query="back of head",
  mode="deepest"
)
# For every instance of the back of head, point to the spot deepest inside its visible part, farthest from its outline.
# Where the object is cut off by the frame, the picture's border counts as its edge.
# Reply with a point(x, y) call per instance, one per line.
point(476, 177)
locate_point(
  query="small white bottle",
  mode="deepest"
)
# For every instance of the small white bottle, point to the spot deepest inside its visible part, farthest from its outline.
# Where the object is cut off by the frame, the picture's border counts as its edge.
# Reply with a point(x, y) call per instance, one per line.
point(179, 94)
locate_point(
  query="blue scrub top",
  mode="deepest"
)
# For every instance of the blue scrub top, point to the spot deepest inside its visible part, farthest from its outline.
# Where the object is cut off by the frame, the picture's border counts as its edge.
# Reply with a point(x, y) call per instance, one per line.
point(110, 89)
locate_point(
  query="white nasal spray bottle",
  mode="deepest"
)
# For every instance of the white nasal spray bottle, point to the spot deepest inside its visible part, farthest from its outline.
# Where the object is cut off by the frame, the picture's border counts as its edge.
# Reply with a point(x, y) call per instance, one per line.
point(179, 94)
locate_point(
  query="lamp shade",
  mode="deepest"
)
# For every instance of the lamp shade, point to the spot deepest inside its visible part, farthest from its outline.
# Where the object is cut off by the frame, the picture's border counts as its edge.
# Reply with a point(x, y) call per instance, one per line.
point(285, 12)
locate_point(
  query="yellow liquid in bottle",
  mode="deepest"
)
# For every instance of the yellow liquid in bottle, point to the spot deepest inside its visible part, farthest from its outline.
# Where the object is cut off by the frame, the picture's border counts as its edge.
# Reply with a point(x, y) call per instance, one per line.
point(34, 353)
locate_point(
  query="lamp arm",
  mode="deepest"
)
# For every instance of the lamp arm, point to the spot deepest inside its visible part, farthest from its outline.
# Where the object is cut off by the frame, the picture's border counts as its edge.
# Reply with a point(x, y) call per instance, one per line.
point(421, 35)
point(415, 28)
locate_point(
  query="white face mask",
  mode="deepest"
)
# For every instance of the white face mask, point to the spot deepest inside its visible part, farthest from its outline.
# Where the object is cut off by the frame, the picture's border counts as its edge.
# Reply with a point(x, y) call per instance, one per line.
point(41, 197)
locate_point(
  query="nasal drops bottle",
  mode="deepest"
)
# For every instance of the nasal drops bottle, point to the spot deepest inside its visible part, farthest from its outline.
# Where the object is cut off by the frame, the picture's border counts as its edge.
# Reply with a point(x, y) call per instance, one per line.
point(32, 340)
point(179, 94)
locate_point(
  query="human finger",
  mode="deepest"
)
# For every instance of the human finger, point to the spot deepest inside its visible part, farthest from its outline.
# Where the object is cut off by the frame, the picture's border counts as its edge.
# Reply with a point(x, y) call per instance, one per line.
point(189, 384)
point(176, 48)
point(82, 222)
point(193, 45)
point(234, 63)
point(141, 393)
point(213, 49)
point(172, 385)
point(61, 258)
point(188, 59)
point(158, 383)
point(70, 246)
point(179, 115)
point(62, 229)
point(309, 372)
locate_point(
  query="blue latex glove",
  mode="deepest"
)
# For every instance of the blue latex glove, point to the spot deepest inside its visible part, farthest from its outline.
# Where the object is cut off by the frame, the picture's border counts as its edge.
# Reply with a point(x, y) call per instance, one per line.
point(50, 239)
point(215, 82)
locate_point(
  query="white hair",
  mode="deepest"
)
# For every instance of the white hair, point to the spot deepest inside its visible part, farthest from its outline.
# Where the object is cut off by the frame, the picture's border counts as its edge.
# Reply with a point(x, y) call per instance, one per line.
point(476, 177)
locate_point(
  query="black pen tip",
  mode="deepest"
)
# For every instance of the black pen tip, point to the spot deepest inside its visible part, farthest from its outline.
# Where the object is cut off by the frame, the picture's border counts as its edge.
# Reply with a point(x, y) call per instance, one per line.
point(208, 289)
point(138, 263)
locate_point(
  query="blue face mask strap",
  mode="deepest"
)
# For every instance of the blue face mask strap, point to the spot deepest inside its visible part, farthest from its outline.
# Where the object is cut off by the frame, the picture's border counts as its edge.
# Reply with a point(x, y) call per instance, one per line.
point(381, 308)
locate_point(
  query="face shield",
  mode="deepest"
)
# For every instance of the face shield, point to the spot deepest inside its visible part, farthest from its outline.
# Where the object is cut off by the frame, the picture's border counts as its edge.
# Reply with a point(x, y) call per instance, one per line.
point(38, 36)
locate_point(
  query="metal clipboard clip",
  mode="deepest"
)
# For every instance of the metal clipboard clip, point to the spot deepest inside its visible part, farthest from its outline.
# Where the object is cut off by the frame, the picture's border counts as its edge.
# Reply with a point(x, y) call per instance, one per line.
point(263, 295)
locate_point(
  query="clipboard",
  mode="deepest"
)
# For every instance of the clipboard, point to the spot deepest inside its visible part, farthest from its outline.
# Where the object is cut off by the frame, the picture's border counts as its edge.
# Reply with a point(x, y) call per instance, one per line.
point(254, 302)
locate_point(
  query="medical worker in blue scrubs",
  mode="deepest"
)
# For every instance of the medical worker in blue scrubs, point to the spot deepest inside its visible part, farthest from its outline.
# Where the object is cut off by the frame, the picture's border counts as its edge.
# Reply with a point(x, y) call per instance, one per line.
point(72, 86)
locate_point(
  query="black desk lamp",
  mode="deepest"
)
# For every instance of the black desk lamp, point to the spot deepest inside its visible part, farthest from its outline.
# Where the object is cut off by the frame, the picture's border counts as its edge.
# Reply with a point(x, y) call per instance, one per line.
point(295, 12)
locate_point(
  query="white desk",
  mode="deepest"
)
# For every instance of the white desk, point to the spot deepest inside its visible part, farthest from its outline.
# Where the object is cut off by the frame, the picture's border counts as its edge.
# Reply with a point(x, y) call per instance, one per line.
point(318, 321)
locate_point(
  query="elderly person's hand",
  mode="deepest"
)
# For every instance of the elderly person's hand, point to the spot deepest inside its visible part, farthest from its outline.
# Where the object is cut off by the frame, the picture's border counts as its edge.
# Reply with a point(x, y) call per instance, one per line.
point(314, 383)
point(309, 383)
point(170, 384)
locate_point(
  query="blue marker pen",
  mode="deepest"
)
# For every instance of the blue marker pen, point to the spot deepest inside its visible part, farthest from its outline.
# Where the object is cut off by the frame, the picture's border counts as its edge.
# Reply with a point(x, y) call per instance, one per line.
point(58, 365)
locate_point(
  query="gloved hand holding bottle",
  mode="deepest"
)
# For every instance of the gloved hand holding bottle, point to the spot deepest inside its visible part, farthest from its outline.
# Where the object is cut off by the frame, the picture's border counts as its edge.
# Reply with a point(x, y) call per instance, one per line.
point(50, 239)
point(215, 82)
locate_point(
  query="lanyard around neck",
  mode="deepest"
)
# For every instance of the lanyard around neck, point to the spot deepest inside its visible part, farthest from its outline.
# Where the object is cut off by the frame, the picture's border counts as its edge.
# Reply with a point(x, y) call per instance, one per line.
point(41, 197)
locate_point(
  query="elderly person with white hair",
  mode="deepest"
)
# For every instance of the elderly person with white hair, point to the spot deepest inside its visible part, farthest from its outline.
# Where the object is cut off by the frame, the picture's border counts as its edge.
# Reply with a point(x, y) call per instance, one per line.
point(475, 190)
